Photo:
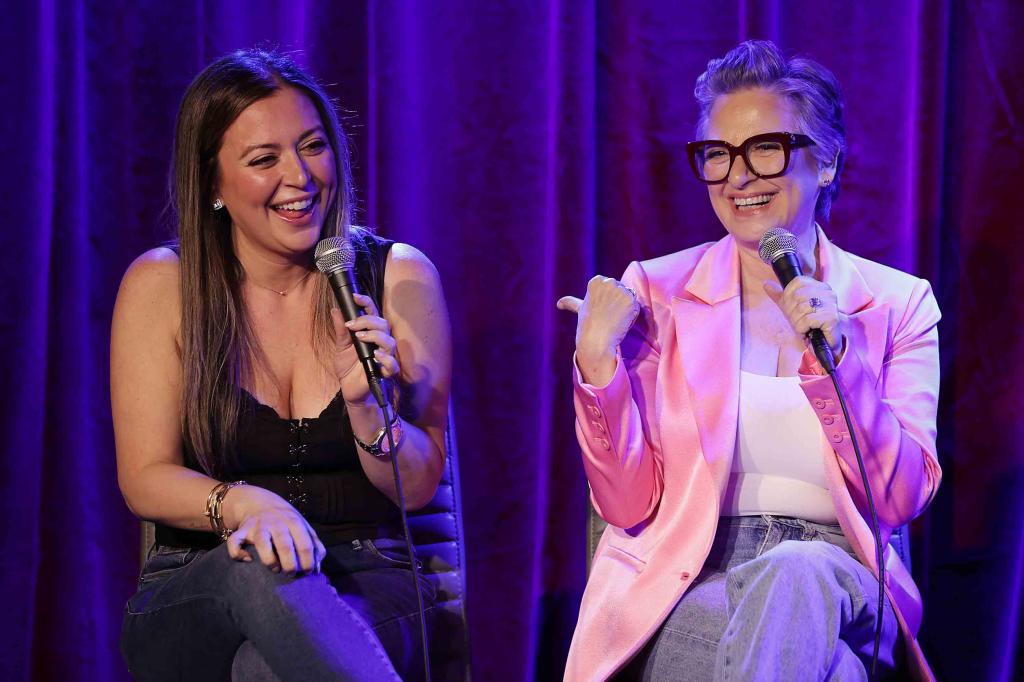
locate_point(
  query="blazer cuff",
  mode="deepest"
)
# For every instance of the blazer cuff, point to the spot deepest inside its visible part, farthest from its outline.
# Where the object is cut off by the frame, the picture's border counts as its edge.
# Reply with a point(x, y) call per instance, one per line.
point(591, 388)
point(810, 367)
point(595, 404)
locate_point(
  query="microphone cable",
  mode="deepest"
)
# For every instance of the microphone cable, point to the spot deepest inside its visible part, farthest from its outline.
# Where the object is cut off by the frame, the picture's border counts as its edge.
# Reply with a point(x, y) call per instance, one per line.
point(335, 257)
point(874, 521)
point(777, 247)
point(385, 412)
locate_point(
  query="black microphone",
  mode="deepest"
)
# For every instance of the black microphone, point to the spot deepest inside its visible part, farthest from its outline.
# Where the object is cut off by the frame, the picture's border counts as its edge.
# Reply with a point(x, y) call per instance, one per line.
point(777, 247)
point(335, 257)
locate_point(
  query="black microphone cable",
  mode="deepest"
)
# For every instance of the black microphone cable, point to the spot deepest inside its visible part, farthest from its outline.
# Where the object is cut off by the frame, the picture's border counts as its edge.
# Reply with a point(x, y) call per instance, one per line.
point(335, 257)
point(408, 538)
point(777, 247)
point(874, 525)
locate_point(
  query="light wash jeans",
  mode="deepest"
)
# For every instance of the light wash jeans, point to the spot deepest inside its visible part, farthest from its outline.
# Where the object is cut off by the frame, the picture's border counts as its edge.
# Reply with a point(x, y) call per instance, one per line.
point(777, 599)
point(199, 615)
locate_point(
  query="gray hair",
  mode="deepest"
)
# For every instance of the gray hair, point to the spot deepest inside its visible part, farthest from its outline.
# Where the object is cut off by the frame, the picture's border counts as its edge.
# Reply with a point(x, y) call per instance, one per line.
point(810, 87)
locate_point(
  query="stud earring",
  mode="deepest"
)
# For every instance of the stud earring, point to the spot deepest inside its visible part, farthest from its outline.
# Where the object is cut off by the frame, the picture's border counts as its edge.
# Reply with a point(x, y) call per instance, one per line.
point(825, 182)
point(218, 204)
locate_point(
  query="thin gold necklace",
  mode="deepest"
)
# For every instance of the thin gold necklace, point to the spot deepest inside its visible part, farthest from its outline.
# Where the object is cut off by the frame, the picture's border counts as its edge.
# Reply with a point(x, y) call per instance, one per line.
point(278, 291)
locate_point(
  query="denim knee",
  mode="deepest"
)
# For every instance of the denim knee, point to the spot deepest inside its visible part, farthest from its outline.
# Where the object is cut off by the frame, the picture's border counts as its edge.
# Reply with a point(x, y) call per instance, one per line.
point(247, 576)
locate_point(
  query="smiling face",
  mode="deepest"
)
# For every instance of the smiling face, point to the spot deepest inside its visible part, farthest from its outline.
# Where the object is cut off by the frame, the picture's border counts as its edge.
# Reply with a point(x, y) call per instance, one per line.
point(277, 174)
point(746, 204)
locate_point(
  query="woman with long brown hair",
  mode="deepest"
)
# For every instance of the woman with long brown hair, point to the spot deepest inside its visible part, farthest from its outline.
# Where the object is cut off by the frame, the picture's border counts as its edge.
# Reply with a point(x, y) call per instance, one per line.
point(244, 424)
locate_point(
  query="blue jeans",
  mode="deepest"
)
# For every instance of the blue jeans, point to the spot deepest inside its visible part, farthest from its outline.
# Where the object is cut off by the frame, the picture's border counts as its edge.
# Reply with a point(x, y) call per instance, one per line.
point(777, 599)
point(195, 610)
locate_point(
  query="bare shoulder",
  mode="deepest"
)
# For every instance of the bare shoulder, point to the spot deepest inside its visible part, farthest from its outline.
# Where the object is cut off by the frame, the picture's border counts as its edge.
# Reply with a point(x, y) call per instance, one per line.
point(414, 301)
point(156, 267)
point(154, 273)
point(406, 262)
point(149, 292)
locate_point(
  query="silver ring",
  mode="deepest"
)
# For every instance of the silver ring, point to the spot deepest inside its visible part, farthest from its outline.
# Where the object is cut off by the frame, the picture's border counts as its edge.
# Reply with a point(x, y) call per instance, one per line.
point(815, 302)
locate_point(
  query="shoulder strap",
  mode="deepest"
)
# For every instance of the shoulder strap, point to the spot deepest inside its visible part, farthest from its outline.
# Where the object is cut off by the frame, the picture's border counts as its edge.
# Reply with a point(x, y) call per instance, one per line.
point(371, 260)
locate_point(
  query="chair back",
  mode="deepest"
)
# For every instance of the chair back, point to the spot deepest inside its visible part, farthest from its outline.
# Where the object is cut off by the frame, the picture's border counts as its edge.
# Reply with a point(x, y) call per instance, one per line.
point(437, 533)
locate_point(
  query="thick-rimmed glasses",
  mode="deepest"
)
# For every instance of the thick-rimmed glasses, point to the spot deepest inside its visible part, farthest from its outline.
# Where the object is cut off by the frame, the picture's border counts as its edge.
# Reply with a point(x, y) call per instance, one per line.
point(766, 155)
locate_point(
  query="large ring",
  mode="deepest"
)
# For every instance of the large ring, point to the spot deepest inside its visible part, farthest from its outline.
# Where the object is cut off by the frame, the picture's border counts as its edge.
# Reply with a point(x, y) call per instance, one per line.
point(815, 303)
point(636, 303)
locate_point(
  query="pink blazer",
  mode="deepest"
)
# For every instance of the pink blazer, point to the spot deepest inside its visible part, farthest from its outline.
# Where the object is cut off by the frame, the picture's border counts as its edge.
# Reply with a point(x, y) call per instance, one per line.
point(658, 440)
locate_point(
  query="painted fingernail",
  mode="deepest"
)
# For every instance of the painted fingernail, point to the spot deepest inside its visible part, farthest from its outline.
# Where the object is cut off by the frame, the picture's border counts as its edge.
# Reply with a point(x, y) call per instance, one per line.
point(360, 334)
point(350, 323)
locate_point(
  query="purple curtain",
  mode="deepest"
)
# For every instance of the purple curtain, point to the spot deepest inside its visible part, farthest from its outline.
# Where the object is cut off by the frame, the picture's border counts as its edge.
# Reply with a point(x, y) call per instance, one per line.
point(524, 146)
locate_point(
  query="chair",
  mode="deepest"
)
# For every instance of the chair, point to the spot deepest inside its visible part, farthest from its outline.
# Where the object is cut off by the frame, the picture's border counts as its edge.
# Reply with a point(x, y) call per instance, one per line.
point(438, 537)
point(900, 538)
point(437, 532)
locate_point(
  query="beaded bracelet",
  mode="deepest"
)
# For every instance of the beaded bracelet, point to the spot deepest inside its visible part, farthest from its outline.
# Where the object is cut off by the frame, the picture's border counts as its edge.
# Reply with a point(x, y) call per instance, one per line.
point(214, 502)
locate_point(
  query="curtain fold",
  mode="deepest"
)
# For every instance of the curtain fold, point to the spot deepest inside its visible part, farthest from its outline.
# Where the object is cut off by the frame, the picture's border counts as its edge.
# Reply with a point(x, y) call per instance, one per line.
point(524, 147)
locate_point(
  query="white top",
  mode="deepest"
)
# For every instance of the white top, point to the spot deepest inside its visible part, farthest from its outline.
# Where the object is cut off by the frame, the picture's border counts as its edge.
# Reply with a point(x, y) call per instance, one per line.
point(778, 466)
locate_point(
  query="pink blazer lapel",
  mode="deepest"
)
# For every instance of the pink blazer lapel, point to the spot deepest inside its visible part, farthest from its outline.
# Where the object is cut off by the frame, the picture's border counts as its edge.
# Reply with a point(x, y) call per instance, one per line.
point(707, 328)
point(869, 324)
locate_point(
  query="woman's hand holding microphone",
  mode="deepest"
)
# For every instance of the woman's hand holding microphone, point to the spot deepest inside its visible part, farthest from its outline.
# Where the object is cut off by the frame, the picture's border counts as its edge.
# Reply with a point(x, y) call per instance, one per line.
point(811, 304)
point(604, 316)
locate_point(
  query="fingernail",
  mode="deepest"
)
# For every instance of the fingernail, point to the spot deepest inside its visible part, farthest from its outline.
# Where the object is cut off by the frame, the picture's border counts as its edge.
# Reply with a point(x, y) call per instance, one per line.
point(360, 334)
point(350, 323)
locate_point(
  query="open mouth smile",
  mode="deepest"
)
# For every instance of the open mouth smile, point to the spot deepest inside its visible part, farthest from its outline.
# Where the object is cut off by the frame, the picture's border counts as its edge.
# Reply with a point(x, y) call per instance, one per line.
point(296, 210)
point(744, 204)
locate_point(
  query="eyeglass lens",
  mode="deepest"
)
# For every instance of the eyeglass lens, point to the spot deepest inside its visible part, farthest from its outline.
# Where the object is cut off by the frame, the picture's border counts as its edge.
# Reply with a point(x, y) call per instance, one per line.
point(764, 157)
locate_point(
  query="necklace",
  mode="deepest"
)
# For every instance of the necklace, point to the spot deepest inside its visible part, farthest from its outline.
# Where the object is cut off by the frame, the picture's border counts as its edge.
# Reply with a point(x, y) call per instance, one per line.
point(279, 292)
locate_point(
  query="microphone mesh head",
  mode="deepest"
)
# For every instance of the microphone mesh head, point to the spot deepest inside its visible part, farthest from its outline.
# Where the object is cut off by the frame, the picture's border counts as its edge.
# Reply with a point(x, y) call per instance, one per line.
point(774, 243)
point(333, 254)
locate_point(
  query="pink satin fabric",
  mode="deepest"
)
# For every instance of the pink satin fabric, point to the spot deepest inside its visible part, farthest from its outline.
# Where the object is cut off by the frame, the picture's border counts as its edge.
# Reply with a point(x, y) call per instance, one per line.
point(658, 440)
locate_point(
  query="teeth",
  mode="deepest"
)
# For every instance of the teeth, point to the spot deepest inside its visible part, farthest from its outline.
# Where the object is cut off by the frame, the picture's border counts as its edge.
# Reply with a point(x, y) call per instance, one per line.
point(295, 205)
point(751, 201)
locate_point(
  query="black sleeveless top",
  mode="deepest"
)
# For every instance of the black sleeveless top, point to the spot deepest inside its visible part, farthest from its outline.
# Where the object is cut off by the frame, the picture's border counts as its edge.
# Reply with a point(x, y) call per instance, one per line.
point(310, 462)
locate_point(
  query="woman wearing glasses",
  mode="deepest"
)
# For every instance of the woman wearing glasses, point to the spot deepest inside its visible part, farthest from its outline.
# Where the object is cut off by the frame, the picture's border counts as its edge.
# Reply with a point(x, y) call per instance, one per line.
point(739, 543)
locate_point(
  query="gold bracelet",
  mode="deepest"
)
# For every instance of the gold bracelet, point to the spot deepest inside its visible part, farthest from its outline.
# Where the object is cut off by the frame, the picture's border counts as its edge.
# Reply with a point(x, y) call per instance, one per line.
point(214, 503)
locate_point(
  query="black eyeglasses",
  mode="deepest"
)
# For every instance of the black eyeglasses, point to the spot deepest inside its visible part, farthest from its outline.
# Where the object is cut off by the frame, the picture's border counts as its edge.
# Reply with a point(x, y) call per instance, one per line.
point(766, 155)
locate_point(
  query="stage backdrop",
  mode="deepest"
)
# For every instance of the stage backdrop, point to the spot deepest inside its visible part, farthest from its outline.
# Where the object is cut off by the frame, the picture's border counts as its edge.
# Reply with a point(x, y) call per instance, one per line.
point(524, 146)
